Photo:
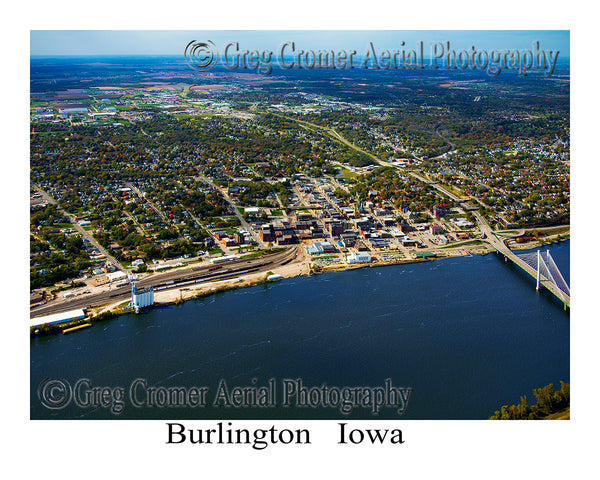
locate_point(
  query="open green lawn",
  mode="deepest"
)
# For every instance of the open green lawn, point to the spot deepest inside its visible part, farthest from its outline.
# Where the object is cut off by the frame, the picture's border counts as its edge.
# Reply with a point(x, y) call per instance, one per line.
point(344, 173)
point(261, 253)
point(463, 244)
point(454, 190)
point(556, 231)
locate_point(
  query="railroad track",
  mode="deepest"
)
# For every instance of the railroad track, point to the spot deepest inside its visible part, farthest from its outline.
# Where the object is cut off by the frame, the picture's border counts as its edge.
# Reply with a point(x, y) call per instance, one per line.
point(174, 279)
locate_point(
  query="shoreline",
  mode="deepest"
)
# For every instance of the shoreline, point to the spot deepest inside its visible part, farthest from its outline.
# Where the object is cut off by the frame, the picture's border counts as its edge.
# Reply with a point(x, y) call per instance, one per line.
point(176, 296)
point(304, 267)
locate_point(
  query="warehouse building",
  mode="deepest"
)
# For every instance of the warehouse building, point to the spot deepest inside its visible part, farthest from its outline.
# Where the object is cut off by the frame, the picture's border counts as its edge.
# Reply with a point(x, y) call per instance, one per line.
point(57, 318)
point(319, 248)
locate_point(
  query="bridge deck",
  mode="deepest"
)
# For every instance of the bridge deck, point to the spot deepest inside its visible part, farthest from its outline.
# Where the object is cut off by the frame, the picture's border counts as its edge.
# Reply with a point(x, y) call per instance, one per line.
point(549, 285)
point(499, 245)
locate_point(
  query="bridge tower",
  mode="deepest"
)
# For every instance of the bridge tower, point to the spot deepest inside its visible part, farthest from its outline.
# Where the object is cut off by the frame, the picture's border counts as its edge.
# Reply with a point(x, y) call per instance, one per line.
point(537, 286)
point(547, 271)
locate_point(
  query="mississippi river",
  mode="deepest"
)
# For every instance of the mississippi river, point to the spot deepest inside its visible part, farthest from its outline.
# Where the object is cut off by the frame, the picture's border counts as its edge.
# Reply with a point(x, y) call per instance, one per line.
point(466, 335)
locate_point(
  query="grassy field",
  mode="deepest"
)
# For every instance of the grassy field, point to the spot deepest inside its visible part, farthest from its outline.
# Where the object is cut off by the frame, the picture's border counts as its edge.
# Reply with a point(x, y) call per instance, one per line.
point(463, 244)
point(553, 231)
point(453, 190)
point(347, 174)
point(261, 253)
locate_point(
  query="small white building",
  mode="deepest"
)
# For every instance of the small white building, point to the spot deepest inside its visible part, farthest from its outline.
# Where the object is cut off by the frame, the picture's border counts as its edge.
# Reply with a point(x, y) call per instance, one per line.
point(114, 276)
point(396, 232)
point(463, 223)
point(359, 257)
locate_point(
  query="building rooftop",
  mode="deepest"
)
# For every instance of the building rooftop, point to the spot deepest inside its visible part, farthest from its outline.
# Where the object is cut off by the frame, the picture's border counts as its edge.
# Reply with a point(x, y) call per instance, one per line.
point(58, 317)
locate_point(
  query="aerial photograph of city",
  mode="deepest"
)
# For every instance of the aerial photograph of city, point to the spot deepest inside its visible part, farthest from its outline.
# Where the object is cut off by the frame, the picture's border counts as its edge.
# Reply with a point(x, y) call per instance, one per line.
point(284, 225)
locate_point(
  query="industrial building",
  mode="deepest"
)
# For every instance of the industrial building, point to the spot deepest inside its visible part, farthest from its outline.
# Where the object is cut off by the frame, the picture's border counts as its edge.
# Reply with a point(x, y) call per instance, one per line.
point(319, 248)
point(141, 298)
point(74, 110)
point(225, 258)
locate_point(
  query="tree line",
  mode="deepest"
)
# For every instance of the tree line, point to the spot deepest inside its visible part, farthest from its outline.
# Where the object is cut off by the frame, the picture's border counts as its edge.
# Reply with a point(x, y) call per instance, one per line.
point(549, 401)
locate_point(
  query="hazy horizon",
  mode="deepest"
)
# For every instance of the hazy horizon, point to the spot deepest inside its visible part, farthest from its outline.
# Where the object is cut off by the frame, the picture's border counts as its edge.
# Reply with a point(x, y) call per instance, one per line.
point(162, 43)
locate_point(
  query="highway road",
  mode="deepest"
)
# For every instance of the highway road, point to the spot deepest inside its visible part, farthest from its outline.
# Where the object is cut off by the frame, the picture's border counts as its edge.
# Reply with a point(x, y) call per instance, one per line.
point(438, 187)
point(452, 145)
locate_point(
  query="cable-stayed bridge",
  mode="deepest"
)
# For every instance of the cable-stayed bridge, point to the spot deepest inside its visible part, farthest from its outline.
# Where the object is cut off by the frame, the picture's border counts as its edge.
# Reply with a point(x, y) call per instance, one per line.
point(539, 265)
point(547, 273)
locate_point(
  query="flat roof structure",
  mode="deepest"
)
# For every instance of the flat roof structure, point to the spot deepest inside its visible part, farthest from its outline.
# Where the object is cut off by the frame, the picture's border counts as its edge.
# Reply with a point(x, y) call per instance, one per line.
point(58, 317)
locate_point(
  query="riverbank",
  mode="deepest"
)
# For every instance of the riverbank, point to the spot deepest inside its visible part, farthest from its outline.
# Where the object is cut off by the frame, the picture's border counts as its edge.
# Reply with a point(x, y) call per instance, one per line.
point(175, 296)
point(305, 265)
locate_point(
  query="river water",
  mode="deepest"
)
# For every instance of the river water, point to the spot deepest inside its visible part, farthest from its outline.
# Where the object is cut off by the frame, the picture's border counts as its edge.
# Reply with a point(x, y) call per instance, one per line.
point(466, 335)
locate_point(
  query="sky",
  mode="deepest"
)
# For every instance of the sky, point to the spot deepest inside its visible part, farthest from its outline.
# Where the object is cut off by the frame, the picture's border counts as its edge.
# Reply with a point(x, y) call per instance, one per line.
point(173, 42)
